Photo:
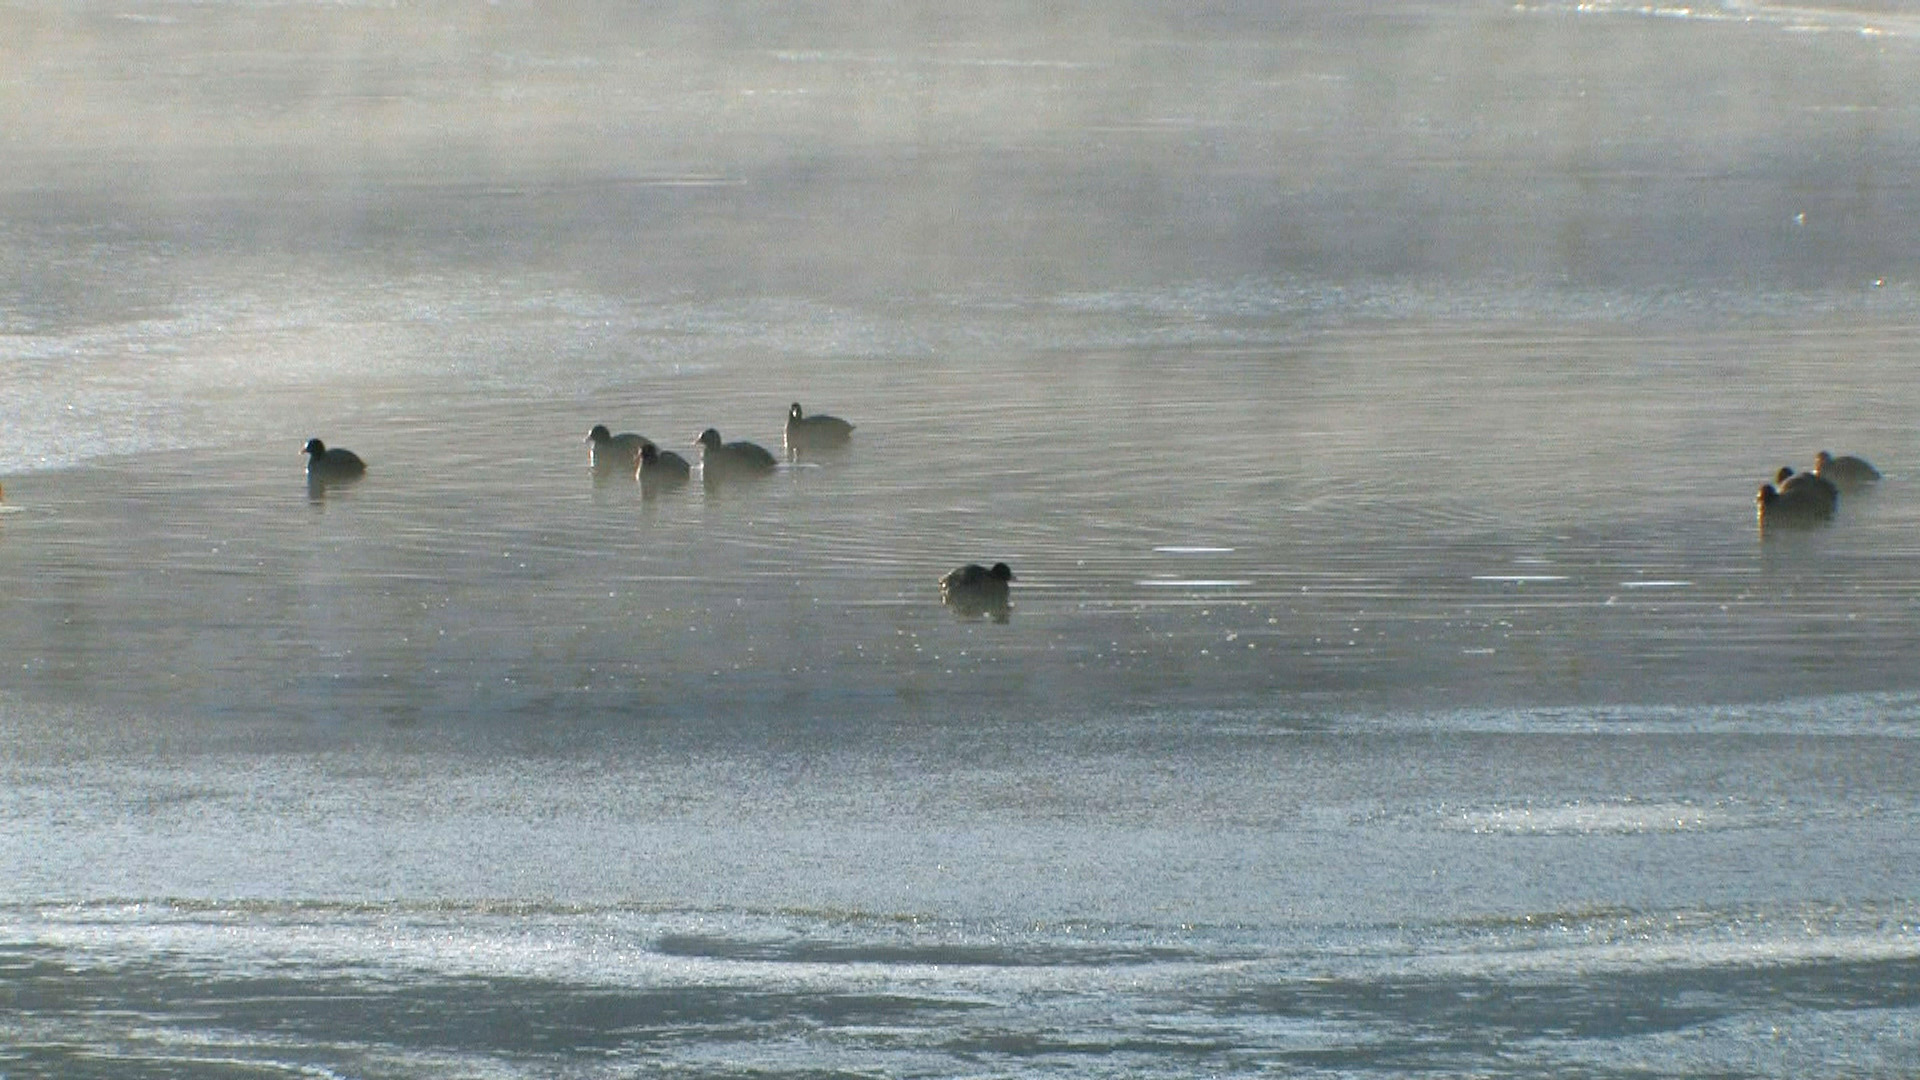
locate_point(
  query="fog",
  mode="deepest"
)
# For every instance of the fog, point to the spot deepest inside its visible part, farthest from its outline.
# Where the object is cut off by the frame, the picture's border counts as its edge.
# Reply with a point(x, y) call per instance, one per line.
point(855, 148)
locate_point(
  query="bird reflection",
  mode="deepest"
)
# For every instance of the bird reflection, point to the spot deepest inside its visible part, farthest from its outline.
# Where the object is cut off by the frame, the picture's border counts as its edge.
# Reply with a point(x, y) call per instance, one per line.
point(320, 487)
point(970, 608)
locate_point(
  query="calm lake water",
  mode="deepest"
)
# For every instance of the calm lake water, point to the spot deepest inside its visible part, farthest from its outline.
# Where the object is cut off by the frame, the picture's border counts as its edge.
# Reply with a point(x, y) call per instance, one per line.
point(1371, 406)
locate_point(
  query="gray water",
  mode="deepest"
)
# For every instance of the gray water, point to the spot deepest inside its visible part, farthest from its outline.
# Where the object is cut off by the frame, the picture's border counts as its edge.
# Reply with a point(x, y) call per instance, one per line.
point(1371, 405)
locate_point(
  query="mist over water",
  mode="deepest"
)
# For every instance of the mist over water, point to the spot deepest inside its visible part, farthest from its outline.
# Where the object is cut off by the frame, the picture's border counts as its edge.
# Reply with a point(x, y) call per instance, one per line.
point(1370, 400)
point(211, 200)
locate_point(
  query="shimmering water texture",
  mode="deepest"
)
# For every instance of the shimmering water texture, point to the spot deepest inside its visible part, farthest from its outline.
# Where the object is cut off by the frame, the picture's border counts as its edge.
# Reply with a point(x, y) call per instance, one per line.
point(1369, 401)
point(394, 991)
point(1615, 893)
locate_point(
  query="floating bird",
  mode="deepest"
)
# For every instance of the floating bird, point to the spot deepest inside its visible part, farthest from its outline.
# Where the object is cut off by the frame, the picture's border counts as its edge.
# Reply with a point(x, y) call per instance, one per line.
point(1801, 508)
point(815, 432)
point(1847, 473)
point(724, 461)
point(662, 469)
point(977, 590)
point(332, 464)
point(1792, 484)
point(616, 453)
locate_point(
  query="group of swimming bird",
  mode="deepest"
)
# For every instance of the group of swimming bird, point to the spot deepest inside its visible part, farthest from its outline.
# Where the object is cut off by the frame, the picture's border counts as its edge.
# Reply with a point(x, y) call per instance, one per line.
point(720, 461)
point(1796, 500)
point(1793, 500)
point(970, 590)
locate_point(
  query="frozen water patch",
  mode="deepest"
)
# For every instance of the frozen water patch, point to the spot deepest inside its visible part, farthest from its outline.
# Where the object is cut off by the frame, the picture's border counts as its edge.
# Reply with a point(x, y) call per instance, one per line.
point(1867, 20)
point(1595, 818)
point(1895, 715)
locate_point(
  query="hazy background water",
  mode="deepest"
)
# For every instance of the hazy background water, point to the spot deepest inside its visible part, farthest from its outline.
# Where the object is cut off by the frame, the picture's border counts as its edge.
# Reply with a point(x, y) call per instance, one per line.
point(1371, 403)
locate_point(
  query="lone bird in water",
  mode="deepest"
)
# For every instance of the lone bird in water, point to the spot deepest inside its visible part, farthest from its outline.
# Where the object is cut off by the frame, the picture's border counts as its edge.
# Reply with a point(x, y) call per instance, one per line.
point(325, 464)
point(616, 453)
point(806, 433)
point(1801, 508)
point(1847, 473)
point(728, 460)
point(977, 590)
point(662, 469)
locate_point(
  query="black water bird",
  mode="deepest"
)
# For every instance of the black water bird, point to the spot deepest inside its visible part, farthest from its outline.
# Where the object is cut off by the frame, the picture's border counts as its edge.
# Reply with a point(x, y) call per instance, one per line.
point(1848, 473)
point(1802, 508)
point(806, 433)
point(1819, 488)
point(662, 469)
point(978, 590)
point(727, 460)
point(324, 463)
point(615, 453)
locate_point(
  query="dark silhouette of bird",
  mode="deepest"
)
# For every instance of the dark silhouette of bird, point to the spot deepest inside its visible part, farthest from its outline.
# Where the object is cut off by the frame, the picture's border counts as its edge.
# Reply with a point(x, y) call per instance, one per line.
point(662, 469)
point(806, 433)
point(324, 463)
point(721, 461)
point(978, 590)
point(1848, 473)
point(1818, 487)
point(615, 453)
point(1799, 509)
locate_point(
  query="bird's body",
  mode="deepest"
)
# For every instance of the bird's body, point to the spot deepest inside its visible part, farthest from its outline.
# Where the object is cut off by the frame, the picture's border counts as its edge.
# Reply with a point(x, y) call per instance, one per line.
point(662, 468)
point(978, 590)
point(335, 463)
point(728, 460)
point(1801, 508)
point(1797, 485)
point(612, 453)
point(1847, 473)
point(806, 433)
